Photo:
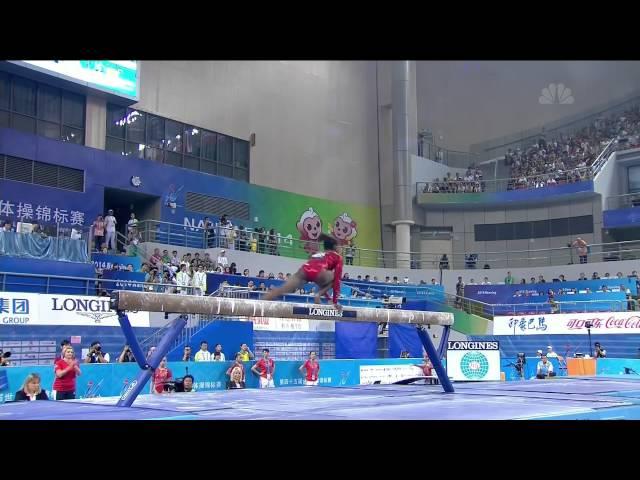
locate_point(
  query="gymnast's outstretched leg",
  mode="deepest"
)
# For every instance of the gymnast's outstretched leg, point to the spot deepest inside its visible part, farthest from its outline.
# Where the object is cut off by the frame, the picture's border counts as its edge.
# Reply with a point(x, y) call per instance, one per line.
point(296, 281)
point(324, 280)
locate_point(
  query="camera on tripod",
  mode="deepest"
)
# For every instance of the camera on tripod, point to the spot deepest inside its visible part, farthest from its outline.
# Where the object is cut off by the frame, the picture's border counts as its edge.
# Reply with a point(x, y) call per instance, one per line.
point(521, 361)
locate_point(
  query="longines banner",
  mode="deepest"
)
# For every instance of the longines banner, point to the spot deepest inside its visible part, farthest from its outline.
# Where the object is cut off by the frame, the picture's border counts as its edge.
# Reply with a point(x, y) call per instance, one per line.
point(39, 309)
point(567, 323)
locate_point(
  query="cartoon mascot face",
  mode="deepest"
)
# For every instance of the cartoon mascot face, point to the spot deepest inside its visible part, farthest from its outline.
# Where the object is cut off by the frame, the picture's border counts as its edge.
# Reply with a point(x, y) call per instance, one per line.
point(309, 225)
point(310, 228)
point(344, 229)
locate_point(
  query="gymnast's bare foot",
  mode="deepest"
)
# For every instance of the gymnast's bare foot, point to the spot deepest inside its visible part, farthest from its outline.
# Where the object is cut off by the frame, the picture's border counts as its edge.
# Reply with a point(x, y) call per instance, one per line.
point(337, 306)
point(317, 299)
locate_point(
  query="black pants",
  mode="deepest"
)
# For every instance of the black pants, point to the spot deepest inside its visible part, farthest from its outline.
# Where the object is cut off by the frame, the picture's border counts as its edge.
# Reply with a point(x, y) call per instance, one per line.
point(348, 260)
point(65, 395)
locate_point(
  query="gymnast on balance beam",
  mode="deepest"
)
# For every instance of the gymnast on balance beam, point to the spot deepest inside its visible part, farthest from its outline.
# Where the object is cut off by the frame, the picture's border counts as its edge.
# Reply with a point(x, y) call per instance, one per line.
point(323, 268)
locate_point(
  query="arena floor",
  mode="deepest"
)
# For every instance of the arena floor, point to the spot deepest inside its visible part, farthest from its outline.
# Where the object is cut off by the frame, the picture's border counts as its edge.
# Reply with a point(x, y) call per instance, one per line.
point(562, 398)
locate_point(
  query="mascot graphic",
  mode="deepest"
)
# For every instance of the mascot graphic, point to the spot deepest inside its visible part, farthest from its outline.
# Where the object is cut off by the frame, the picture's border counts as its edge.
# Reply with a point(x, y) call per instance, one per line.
point(310, 228)
point(344, 229)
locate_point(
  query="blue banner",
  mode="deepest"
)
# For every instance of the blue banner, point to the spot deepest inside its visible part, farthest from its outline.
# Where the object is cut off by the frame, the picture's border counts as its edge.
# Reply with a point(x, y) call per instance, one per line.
point(405, 338)
point(584, 291)
point(108, 380)
point(356, 340)
point(410, 292)
point(123, 280)
point(105, 261)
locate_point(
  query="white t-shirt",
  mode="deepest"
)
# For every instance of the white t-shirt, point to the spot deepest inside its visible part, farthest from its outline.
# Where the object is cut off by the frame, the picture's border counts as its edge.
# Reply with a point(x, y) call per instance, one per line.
point(110, 223)
point(542, 366)
point(132, 223)
point(200, 280)
point(223, 261)
point(203, 356)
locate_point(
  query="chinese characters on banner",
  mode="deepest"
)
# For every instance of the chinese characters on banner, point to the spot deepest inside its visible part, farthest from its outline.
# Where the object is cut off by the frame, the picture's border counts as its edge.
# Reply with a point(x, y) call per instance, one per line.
point(25, 212)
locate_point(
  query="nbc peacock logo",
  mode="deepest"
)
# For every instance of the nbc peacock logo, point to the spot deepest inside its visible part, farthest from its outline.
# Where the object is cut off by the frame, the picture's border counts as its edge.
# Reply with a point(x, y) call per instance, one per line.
point(556, 94)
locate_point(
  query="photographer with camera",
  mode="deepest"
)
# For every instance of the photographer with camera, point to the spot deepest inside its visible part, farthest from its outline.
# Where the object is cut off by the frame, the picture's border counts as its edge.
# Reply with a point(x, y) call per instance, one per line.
point(4, 358)
point(126, 355)
point(96, 355)
point(545, 368)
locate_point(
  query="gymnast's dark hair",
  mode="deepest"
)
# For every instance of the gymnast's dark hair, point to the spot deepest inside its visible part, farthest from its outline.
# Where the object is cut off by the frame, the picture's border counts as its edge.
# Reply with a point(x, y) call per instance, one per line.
point(329, 243)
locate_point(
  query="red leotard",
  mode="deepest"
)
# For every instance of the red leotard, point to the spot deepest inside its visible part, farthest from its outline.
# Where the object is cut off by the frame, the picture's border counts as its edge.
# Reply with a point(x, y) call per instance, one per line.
point(328, 260)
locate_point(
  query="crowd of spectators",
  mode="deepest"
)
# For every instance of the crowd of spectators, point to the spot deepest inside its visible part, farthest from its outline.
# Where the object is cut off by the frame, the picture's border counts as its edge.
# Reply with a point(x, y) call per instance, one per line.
point(548, 162)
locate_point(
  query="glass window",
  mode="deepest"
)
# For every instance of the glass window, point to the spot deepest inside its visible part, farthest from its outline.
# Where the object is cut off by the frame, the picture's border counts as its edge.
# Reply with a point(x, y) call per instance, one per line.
point(24, 96)
point(173, 136)
point(209, 145)
point(240, 153)
point(153, 153)
point(485, 233)
point(116, 120)
point(73, 109)
point(49, 104)
point(191, 141)
point(134, 149)
point(72, 135)
point(504, 231)
point(540, 229)
point(135, 123)
point(225, 150)
point(49, 130)
point(192, 163)
point(582, 224)
point(225, 170)
point(208, 167)
point(559, 227)
point(115, 145)
point(22, 123)
point(4, 119)
point(634, 179)
point(241, 174)
point(172, 158)
point(522, 230)
point(5, 91)
point(155, 131)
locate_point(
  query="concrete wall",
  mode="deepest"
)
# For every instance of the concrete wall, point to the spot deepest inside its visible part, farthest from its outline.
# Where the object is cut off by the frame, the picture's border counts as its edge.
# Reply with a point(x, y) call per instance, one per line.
point(463, 223)
point(315, 121)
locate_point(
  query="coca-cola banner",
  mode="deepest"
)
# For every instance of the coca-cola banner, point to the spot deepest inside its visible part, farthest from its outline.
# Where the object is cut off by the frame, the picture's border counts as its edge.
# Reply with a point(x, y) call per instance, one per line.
point(567, 323)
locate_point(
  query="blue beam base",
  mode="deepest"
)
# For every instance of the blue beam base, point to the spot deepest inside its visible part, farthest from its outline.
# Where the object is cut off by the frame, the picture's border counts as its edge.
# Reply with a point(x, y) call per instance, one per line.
point(149, 365)
point(435, 359)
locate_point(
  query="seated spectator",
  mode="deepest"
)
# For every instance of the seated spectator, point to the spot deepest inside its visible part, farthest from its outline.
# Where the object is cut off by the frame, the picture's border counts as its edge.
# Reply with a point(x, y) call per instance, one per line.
point(265, 368)
point(126, 355)
point(187, 384)
point(156, 258)
point(551, 353)
point(600, 352)
point(161, 377)
point(532, 280)
point(31, 390)
point(236, 381)
point(595, 276)
point(245, 352)
point(175, 261)
point(218, 349)
point(509, 279)
point(262, 287)
point(261, 274)
point(561, 278)
point(582, 276)
point(96, 355)
point(203, 355)
point(186, 354)
point(245, 272)
point(541, 279)
point(239, 364)
point(544, 368)
point(486, 281)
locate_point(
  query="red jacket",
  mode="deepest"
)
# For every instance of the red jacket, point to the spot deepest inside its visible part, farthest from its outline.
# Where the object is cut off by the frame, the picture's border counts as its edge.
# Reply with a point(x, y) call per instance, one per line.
point(328, 260)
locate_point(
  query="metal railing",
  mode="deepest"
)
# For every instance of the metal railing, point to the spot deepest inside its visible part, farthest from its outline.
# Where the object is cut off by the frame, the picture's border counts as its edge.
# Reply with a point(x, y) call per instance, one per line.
point(452, 158)
point(453, 185)
point(287, 246)
point(628, 200)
